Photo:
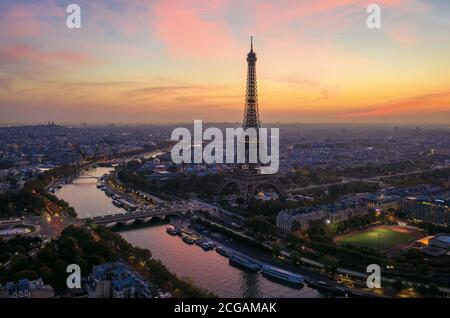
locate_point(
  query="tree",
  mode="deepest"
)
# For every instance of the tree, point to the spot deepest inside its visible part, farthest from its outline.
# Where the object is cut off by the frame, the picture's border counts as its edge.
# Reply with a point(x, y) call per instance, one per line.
point(47, 274)
point(84, 266)
point(433, 290)
point(27, 273)
point(260, 224)
point(318, 231)
point(422, 269)
point(60, 268)
point(397, 285)
point(331, 263)
point(276, 248)
point(295, 256)
point(47, 256)
point(293, 239)
point(142, 254)
point(68, 249)
point(71, 212)
point(20, 262)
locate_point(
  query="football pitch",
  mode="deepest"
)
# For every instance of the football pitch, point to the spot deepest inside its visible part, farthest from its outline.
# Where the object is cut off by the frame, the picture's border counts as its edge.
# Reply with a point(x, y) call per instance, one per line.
point(380, 237)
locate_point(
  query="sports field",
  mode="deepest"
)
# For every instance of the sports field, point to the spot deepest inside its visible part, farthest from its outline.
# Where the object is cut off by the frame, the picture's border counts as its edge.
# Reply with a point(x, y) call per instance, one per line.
point(383, 237)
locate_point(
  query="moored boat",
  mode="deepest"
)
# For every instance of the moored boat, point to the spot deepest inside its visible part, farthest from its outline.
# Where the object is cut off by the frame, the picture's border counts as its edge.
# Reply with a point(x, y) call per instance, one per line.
point(117, 203)
point(245, 262)
point(187, 231)
point(172, 230)
point(324, 286)
point(222, 251)
point(206, 245)
point(282, 275)
point(187, 239)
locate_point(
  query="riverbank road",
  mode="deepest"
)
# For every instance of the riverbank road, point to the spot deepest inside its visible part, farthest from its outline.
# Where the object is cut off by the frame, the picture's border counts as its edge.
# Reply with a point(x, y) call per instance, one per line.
point(50, 226)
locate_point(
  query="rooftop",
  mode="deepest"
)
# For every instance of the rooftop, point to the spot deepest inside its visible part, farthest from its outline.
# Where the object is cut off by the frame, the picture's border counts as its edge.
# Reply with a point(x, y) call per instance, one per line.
point(443, 238)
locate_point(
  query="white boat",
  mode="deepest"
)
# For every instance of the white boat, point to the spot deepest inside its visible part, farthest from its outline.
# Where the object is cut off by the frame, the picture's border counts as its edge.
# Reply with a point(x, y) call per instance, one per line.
point(172, 230)
point(282, 274)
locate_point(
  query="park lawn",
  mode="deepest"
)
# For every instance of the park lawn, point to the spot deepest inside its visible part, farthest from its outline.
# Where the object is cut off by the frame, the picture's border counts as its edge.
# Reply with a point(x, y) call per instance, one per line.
point(389, 238)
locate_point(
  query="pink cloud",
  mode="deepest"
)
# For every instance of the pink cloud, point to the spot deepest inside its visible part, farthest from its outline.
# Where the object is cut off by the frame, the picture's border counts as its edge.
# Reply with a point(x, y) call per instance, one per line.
point(28, 20)
point(29, 54)
point(403, 34)
point(194, 28)
point(6, 83)
point(132, 18)
point(404, 29)
point(276, 15)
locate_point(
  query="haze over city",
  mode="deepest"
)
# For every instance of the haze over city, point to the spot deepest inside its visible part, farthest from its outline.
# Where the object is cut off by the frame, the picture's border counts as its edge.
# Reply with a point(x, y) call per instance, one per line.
point(171, 61)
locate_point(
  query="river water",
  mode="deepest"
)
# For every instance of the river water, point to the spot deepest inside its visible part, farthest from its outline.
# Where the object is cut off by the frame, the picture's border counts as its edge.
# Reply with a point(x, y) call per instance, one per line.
point(208, 270)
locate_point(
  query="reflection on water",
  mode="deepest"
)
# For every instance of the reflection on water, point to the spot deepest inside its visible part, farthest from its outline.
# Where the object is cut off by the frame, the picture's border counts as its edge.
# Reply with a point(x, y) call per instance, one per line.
point(206, 269)
point(250, 285)
point(84, 196)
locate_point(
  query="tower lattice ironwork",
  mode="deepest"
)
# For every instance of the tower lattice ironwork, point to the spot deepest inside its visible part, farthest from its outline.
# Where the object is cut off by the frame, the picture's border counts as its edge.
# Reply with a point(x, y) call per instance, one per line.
point(251, 113)
point(248, 177)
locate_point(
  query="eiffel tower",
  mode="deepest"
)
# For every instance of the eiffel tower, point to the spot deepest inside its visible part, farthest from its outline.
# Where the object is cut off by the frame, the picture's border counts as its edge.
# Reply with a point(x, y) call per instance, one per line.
point(247, 176)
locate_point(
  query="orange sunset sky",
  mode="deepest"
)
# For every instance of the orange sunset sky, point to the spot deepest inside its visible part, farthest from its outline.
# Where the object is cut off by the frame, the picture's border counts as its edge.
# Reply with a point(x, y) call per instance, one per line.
point(165, 61)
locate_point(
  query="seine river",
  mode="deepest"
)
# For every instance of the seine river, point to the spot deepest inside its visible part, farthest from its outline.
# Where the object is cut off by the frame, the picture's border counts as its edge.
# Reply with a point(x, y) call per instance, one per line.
point(206, 269)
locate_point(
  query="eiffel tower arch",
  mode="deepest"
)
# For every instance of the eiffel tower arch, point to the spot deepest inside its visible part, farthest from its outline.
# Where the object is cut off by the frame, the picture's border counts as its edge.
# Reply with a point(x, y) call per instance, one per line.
point(248, 184)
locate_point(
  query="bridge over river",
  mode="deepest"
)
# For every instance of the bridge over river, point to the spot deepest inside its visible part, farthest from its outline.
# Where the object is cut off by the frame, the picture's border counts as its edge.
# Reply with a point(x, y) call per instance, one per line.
point(129, 218)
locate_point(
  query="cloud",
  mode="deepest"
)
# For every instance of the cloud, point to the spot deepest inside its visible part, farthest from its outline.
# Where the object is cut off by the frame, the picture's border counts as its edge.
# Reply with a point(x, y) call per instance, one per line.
point(156, 90)
point(33, 55)
point(27, 20)
point(101, 84)
point(188, 99)
point(297, 80)
point(279, 14)
point(430, 102)
point(403, 34)
point(404, 27)
point(195, 29)
point(6, 83)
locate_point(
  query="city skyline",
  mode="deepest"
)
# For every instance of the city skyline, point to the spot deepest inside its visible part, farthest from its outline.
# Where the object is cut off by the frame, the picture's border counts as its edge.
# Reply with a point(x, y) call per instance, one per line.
point(169, 62)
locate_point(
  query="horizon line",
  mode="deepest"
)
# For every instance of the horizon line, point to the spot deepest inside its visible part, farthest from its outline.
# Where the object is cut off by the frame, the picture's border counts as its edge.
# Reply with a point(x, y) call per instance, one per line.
point(121, 124)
